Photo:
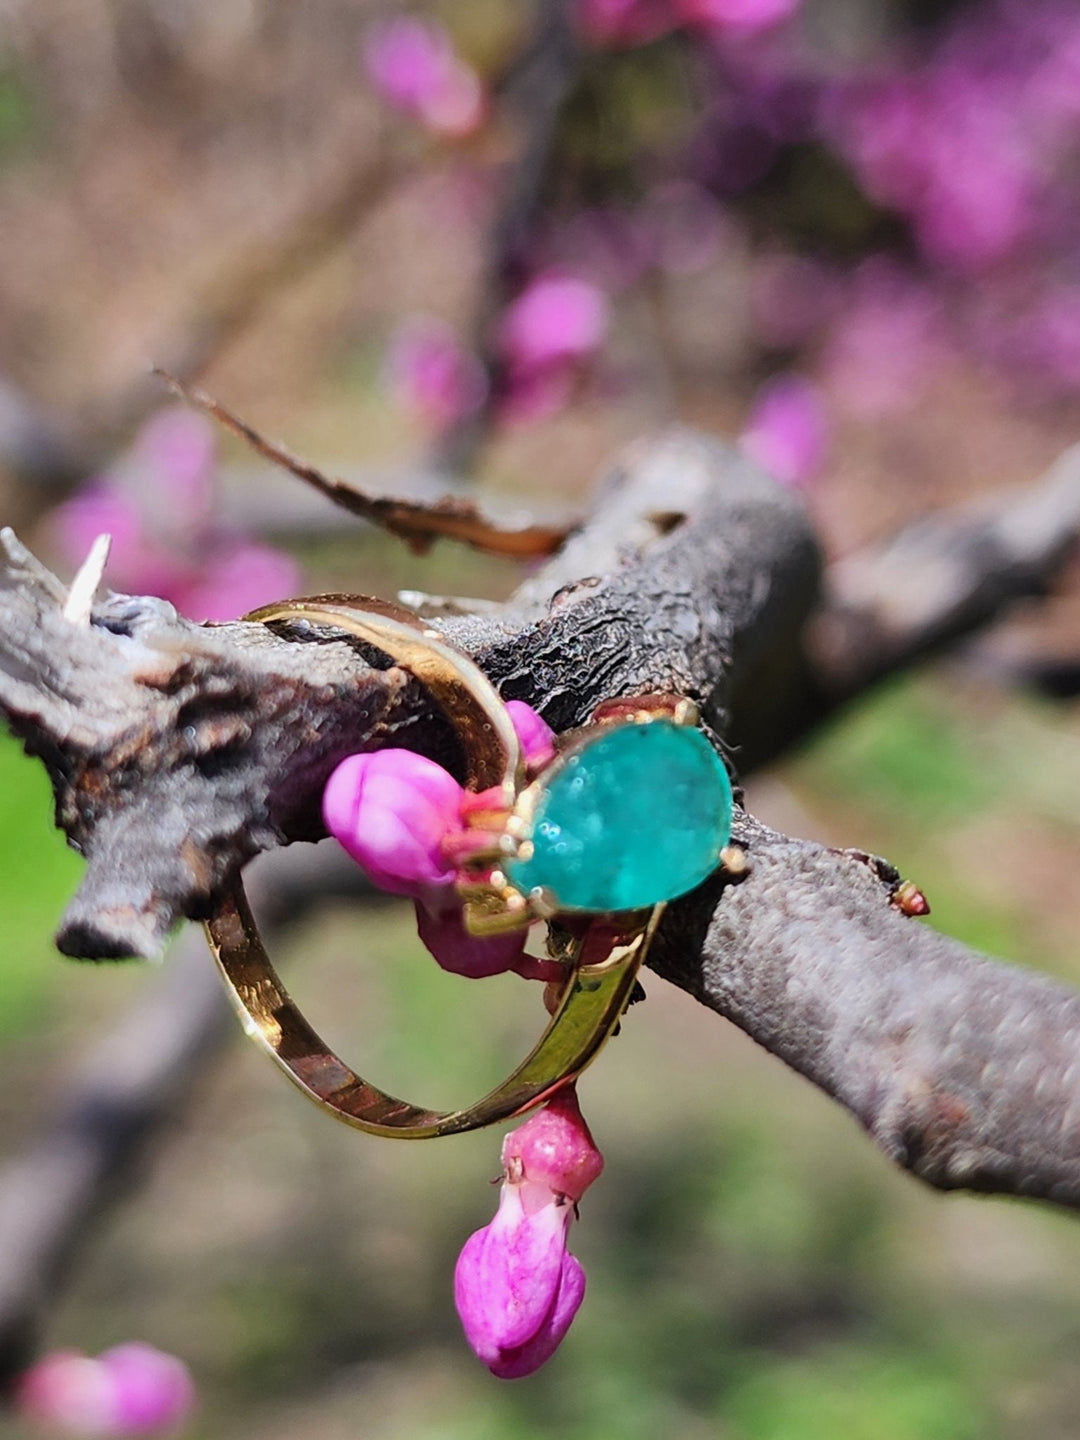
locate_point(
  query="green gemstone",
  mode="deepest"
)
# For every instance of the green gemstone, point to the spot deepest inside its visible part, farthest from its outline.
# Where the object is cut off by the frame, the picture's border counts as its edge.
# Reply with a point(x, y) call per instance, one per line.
point(636, 816)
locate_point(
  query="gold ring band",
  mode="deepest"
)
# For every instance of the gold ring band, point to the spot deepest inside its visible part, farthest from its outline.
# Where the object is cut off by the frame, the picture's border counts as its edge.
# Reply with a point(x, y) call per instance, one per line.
point(602, 963)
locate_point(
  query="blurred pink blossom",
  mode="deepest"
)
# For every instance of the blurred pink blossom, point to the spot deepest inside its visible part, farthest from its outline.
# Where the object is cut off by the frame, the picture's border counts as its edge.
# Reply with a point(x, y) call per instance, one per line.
point(736, 14)
point(157, 504)
point(787, 431)
point(888, 344)
point(132, 1389)
point(625, 22)
point(432, 373)
point(555, 319)
point(791, 298)
point(413, 64)
point(516, 1286)
point(544, 338)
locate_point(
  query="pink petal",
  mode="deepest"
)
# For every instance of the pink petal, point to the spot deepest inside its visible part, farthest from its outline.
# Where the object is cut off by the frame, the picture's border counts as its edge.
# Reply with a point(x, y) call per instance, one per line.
point(441, 928)
point(527, 1358)
point(152, 1391)
point(787, 431)
point(432, 373)
point(68, 1391)
point(555, 318)
point(536, 735)
point(508, 1275)
point(235, 578)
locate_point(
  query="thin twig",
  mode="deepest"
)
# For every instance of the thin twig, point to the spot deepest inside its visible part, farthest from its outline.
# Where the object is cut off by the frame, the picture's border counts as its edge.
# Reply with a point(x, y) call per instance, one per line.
point(418, 523)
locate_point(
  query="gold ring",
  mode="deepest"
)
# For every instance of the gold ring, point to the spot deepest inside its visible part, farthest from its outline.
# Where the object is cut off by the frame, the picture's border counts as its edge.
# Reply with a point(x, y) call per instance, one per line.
point(602, 962)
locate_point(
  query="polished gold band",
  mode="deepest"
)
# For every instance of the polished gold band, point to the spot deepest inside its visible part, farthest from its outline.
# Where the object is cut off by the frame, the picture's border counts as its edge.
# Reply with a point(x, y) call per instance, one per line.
point(596, 994)
point(602, 963)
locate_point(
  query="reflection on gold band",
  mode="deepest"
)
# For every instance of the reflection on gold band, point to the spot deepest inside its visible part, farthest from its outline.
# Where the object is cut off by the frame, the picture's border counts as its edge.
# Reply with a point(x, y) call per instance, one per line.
point(603, 967)
point(601, 963)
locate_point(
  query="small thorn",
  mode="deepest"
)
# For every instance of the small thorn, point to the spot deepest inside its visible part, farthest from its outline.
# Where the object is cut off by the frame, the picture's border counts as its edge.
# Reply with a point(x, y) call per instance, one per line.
point(80, 599)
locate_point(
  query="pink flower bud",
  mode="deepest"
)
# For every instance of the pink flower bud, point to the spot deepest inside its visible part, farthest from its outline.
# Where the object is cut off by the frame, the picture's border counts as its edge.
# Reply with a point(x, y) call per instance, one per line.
point(130, 1390)
point(441, 928)
point(535, 734)
point(412, 64)
point(555, 1148)
point(391, 810)
point(431, 372)
point(516, 1286)
point(787, 432)
point(736, 14)
point(554, 320)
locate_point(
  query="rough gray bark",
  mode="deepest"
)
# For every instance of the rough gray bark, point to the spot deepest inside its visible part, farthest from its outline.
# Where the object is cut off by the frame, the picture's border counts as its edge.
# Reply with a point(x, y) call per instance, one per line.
point(178, 751)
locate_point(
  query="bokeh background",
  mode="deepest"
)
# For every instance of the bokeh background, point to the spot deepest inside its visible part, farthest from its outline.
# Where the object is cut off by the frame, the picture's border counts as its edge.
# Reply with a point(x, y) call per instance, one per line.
point(494, 243)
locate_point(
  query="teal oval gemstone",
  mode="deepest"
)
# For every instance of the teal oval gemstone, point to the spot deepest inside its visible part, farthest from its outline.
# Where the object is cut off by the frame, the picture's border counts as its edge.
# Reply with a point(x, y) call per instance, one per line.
point(636, 816)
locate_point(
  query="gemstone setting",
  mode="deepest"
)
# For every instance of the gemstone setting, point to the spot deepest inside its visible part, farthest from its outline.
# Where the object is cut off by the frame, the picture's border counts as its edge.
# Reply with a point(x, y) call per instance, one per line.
point(628, 817)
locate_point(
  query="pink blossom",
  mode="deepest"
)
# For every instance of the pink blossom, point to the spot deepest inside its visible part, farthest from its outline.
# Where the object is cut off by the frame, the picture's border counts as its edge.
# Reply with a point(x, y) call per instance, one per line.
point(403, 818)
point(787, 431)
point(556, 319)
point(516, 1286)
point(736, 14)
point(625, 22)
point(392, 810)
point(132, 1389)
point(413, 65)
point(887, 345)
point(157, 504)
point(432, 373)
point(441, 929)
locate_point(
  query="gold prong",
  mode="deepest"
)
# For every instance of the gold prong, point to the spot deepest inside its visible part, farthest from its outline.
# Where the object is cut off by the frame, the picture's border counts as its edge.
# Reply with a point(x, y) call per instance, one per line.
point(733, 858)
point(544, 902)
point(686, 712)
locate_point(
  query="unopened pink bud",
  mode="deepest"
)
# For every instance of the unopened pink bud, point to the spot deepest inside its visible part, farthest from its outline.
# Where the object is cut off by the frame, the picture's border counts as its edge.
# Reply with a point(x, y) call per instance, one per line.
point(515, 1286)
point(152, 1391)
point(432, 373)
point(440, 926)
point(412, 63)
point(535, 734)
point(555, 1148)
point(391, 810)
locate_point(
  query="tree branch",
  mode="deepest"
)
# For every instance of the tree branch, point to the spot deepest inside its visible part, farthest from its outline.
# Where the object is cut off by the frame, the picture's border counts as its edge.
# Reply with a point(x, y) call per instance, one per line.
point(178, 751)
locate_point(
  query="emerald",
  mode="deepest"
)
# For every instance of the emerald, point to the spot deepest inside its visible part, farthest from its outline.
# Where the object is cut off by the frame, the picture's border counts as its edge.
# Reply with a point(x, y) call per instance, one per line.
point(636, 815)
